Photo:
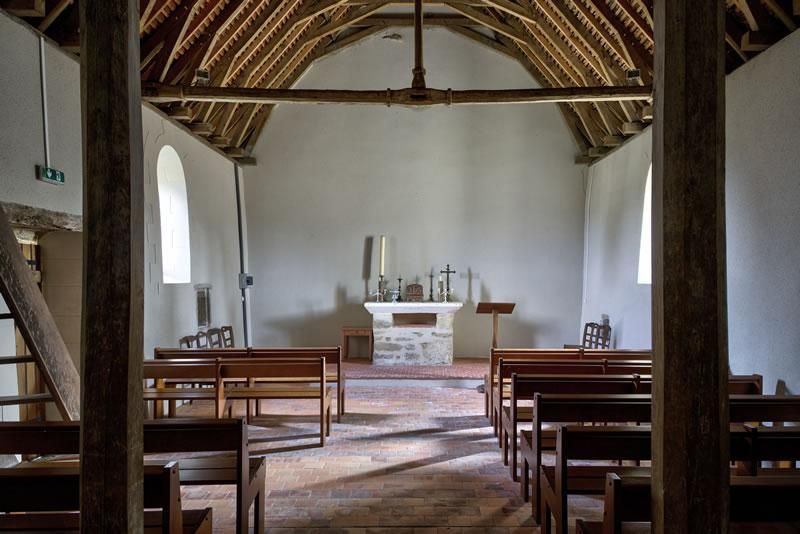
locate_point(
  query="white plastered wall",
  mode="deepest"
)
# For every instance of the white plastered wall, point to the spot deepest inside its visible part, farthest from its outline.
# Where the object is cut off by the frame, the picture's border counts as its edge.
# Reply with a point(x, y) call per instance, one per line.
point(763, 220)
point(492, 190)
point(169, 311)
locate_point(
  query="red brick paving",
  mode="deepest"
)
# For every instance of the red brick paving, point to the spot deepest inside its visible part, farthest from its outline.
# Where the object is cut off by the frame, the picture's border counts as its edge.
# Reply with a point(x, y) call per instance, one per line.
point(465, 368)
point(403, 460)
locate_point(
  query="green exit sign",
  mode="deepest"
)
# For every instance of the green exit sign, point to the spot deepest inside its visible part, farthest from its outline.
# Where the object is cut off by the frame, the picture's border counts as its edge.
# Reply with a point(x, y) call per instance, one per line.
point(49, 174)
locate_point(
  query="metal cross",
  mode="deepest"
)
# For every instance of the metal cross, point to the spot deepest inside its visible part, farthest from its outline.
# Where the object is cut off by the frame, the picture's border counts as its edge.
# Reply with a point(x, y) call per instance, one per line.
point(447, 272)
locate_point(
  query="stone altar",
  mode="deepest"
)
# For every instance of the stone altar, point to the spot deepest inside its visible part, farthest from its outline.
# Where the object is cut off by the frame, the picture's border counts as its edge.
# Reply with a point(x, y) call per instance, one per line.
point(413, 333)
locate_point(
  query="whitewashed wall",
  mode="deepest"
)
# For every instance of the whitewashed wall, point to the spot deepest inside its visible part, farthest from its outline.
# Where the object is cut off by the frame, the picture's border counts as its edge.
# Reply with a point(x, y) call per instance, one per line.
point(169, 310)
point(763, 221)
point(614, 202)
point(763, 215)
point(490, 189)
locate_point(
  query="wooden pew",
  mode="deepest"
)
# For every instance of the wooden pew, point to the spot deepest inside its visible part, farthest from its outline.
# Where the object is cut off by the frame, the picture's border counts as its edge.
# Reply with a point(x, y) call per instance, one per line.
point(490, 379)
point(555, 408)
point(604, 443)
point(333, 356)
point(525, 387)
point(272, 378)
point(50, 489)
point(743, 385)
point(749, 444)
point(168, 374)
point(168, 436)
point(506, 368)
point(333, 362)
point(759, 499)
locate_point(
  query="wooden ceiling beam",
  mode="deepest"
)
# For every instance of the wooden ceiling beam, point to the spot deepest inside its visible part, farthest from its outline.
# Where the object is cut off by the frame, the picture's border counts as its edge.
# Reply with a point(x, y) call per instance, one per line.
point(191, 59)
point(640, 22)
point(779, 13)
point(53, 14)
point(642, 56)
point(352, 18)
point(160, 93)
point(24, 8)
point(404, 20)
point(485, 20)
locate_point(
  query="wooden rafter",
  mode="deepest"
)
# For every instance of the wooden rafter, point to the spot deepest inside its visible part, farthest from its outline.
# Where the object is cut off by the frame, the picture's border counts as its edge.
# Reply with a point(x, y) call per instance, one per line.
point(268, 44)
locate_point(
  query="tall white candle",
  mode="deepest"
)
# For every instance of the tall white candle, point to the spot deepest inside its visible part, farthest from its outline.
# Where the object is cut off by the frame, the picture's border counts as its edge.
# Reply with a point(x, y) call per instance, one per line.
point(383, 256)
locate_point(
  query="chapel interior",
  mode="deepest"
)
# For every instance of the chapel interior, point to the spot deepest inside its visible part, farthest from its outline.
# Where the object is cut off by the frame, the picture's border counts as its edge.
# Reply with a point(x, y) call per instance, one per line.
point(399, 266)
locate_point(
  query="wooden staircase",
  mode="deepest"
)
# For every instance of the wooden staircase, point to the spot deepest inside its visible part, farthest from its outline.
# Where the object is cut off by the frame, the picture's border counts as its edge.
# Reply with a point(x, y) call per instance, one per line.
point(38, 334)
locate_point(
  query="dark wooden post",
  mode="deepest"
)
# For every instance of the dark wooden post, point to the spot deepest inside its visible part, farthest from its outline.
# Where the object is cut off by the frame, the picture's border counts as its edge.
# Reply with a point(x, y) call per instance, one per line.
point(113, 252)
point(690, 403)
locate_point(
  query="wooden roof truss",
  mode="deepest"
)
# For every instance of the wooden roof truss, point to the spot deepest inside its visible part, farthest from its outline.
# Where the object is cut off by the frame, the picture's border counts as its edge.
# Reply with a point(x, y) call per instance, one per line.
point(269, 44)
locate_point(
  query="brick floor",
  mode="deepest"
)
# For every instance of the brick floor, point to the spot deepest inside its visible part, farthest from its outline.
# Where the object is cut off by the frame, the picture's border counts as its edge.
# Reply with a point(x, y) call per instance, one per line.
point(403, 460)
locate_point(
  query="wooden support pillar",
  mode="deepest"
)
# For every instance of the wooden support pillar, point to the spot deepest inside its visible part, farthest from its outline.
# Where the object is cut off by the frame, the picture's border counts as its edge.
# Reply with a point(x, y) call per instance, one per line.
point(690, 403)
point(113, 267)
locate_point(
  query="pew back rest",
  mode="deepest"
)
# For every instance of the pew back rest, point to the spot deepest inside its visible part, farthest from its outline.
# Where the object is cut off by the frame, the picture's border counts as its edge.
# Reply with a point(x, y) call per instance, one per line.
point(160, 353)
point(332, 355)
point(56, 488)
point(195, 368)
point(602, 443)
point(776, 443)
point(312, 369)
point(745, 384)
point(763, 408)
point(592, 408)
point(524, 387)
point(160, 436)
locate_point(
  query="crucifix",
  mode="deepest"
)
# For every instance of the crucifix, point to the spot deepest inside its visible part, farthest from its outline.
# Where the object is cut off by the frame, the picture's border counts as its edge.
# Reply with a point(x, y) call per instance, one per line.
point(447, 272)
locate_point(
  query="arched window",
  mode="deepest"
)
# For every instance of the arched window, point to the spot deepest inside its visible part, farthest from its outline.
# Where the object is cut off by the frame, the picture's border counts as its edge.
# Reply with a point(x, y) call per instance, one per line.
point(176, 262)
point(645, 244)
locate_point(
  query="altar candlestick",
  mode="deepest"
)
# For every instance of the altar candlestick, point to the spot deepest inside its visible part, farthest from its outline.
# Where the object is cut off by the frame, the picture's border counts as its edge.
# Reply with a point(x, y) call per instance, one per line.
point(383, 256)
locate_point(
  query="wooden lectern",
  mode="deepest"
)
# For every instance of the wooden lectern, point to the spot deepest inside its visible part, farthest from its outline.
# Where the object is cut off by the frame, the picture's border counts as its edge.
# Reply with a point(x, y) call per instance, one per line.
point(495, 308)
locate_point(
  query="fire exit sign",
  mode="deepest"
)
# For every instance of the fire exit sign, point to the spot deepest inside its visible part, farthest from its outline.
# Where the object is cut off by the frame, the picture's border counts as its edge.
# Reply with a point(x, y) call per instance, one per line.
point(50, 175)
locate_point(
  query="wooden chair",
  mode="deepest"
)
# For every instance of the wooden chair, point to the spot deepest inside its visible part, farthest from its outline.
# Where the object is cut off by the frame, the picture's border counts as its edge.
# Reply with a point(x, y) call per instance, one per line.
point(595, 336)
point(227, 336)
point(188, 342)
point(168, 437)
point(356, 331)
point(272, 378)
point(202, 340)
point(214, 338)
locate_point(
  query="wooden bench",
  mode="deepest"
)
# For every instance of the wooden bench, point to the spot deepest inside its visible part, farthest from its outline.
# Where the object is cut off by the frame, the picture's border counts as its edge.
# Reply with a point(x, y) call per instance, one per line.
point(759, 499)
point(490, 378)
point(333, 364)
point(525, 387)
point(273, 378)
point(168, 436)
point(506, 368)
point(333, 356)
point(555, 408)
point(750, 445)
point(52, 487)
point(169, 374)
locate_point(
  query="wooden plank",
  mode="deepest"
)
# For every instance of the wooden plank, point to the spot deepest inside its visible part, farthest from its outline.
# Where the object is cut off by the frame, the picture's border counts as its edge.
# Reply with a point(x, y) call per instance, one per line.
point(171, 93)
point(690, 361)
point(24, 8)
point(113, 269)
point(36, 324)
